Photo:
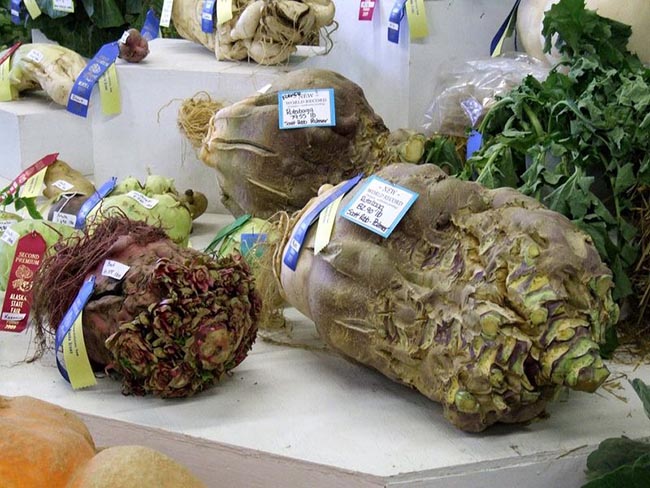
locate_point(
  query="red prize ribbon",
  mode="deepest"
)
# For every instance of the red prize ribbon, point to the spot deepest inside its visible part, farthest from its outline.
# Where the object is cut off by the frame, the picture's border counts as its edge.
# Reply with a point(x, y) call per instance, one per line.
point(29, 172)
point(9, 52)
point(367, 9)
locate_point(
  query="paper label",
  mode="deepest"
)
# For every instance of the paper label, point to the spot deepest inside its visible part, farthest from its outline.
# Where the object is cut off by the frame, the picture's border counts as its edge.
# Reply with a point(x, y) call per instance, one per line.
point(224, 11)
point(29, 172)
point(417, 19)
point(265, 88)
point(109, 92)
point(92, 202)
point(125, 37)
point(292, 249)
point(114, 269)
point(35, 55)
point(83, 85)
point(76, 359)
point(64, 218)
point(325, 225)
point(63, 5)
point(33, 8)
point(306, 108)
point(496, 46)
point(394, 21)
point(63, 185)
point(207, 16)
point(18, 297)
point(69, 319)
point(33, 187)
point(366, 9)
point(166, 13)
point(5, 224)
point(143, 200)
point(10, 236)
point(379, 206)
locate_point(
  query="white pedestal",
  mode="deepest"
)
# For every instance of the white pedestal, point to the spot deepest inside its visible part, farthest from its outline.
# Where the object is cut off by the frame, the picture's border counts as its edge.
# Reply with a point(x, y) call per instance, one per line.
point(34, 126)
point(145, 136)
point(307, 417)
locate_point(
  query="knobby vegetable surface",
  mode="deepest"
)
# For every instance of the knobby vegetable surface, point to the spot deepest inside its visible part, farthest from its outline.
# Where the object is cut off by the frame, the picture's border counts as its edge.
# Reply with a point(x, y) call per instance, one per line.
point(482, 300)
point(172, 326)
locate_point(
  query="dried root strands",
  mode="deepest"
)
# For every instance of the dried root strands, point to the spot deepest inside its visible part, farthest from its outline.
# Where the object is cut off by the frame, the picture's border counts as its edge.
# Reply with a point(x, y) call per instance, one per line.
point(173, 326)
point(482, 300)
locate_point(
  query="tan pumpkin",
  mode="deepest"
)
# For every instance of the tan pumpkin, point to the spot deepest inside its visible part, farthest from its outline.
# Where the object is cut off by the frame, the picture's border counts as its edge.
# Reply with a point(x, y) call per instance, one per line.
point(635, 13)
point(41, 444)
point(44, 445)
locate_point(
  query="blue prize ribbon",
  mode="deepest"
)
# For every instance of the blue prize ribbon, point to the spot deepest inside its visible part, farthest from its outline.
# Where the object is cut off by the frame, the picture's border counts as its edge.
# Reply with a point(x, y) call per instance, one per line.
point(92, 202)
point(207, 16)
point(299, 233)
point(474, 143)
point(394, 21)
point(503, 30)
point(151, 26)
point(15, 11)
point(83, 85)
point(69, 318)
point(250, 242)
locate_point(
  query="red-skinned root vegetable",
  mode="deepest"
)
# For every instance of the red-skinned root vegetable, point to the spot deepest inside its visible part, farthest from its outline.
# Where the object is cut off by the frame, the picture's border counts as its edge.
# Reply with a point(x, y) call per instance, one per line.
point(482, 300)
point(133, 46)
point(262, 169)
point(173, 326)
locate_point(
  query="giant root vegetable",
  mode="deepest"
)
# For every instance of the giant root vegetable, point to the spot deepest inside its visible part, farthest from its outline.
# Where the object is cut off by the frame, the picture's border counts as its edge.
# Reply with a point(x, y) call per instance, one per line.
point(172, 326)
point(262, 169)
point(482, 300)
point(47, 67)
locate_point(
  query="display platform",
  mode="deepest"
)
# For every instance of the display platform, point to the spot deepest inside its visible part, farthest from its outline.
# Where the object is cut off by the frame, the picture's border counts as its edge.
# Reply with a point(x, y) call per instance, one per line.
point(34, 126)
point(306, 417)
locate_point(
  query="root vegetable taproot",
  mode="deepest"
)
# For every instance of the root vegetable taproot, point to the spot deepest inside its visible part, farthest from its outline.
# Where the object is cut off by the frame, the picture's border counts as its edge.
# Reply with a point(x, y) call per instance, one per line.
point(186, 17)
point(248, 22)
point(482, 300)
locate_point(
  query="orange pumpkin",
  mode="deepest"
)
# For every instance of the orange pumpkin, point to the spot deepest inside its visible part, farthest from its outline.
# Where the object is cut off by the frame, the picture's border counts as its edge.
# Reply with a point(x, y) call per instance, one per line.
point(41, 444)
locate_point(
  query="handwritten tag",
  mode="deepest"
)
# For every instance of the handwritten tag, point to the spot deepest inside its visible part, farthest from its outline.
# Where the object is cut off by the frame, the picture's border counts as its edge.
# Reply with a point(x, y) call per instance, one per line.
point(63, 5)
point(63, 185)
point(114, 269)
point(75, 357)
point(35, 55)
point(10, 236)
point(125, 37)
point(417, 19)
point(166, 13)
point(306, 108)
point(143, 200)
point(34, 185)
point(5, 223)
point(64, 218)
point(379, 206)
point(325, 225)
point(109, 92)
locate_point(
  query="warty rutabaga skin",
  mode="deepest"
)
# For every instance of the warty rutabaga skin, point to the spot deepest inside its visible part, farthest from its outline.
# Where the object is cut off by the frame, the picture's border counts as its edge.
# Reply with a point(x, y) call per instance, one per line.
point(482, 300)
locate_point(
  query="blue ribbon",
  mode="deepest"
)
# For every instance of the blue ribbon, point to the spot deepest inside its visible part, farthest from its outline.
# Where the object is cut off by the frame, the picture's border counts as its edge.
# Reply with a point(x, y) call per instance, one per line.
point(474, 143)
point(502, 30)
point(15, 11)
point(83, 85)
point(299, 233)
point(394, 21)
point(92, 202)
point(207, 16)
point(69, 318)
point(151, 26)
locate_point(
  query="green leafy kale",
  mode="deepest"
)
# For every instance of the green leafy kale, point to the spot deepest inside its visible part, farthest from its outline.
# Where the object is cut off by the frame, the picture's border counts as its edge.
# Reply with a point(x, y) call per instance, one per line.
point(578, 141)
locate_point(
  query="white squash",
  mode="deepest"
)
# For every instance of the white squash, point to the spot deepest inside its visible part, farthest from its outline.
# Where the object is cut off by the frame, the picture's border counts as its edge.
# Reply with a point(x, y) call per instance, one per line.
point(635, 13)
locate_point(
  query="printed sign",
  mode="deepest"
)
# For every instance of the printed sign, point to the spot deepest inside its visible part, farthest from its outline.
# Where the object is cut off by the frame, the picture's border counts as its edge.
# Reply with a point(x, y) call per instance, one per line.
point(306, 108)
point(379, 206)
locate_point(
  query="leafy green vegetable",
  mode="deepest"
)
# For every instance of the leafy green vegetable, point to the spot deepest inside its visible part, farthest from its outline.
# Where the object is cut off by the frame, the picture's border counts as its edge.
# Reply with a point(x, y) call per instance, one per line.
point(19, 202)
point(578, 141)
point(643, 391)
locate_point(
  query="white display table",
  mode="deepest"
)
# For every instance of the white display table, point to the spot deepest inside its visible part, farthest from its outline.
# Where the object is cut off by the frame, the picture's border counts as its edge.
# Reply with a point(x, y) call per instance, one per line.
point(306, 417)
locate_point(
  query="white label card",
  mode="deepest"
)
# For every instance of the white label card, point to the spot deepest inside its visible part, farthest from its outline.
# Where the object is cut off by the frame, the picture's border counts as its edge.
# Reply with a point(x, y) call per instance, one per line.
point(166, 13)
point(114, 269)
point(64, 218)
point(10, 236)
point(13, 317)
point(306, 108)
point(4, 224)
point(62, 185)
point(143, 200)
point(63, 5)
point(35, 55)
point(379, 206)
point(124, 37)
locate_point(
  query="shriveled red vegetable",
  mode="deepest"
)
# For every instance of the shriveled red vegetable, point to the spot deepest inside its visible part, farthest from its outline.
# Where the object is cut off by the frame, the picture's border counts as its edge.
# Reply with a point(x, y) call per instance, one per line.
point(173, 326)
point(482, 300)
point(134, 48)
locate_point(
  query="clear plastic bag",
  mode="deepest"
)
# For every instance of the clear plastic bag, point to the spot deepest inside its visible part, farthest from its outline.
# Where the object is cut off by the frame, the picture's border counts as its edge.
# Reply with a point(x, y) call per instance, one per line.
point(467, 89)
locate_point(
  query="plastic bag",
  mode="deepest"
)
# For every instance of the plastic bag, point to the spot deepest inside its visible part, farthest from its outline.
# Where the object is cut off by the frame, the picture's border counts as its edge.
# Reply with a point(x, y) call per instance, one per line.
point(466, 90)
